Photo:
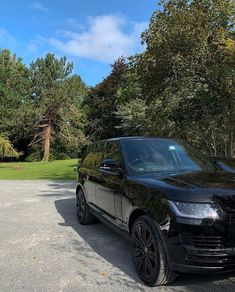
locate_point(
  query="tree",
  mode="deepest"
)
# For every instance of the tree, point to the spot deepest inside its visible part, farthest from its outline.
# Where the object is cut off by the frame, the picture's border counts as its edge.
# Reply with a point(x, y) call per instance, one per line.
point(14, 89)
point(7, 149)
point(186, 74)
point(56, 98)
point(133, 116)
point(101, 104)
point(71, 132)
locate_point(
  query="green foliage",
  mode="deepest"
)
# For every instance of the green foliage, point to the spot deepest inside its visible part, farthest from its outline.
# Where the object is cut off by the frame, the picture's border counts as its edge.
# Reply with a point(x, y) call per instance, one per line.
point(57, 99)
point(33, 157)
point(7, 149)
point(62, 156)
point(101, 104)
point(44, 95)
point(56, 153)
point(186, 75)
point(133, 116)
point(14, 88)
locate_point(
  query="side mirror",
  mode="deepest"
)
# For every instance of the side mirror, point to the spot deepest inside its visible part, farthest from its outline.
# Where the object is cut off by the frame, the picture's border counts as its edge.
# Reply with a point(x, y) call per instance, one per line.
point(110, 165)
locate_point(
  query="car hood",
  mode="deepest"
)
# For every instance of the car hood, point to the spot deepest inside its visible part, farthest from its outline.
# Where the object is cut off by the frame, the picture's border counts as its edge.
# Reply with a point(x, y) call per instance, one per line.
point(192, 186)
point(212, 180)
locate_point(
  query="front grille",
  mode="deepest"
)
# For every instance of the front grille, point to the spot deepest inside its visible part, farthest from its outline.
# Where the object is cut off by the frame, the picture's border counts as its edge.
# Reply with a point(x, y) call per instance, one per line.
point(212, 243)
point(202, 241)
point(207, 249)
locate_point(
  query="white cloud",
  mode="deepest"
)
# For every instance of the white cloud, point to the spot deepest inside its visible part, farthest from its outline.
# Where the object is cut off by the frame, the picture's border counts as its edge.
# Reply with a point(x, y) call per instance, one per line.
point(36, 5)
point(107, 38)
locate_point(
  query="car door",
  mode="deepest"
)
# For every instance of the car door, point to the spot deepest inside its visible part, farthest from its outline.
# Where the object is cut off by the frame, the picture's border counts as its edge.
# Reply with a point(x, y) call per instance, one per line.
point(89, 172)
point(109, 184)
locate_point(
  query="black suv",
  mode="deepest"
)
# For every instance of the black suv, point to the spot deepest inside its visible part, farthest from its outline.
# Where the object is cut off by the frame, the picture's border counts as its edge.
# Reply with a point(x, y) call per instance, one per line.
point(177, 205)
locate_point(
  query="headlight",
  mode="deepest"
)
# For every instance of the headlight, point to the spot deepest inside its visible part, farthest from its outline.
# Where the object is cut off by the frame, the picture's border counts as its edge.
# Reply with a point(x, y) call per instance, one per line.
point(194, 210)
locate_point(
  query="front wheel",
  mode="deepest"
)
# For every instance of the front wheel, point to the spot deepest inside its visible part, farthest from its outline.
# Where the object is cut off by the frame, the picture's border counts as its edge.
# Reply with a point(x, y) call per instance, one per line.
point(149, 253)
point(83, 213)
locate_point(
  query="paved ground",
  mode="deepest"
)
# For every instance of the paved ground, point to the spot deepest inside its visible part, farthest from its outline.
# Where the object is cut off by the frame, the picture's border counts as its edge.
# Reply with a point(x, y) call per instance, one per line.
point(43, 248)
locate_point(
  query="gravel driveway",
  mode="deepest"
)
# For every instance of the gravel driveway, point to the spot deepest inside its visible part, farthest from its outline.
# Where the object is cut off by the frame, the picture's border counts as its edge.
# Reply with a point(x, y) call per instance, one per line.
point(43, 248)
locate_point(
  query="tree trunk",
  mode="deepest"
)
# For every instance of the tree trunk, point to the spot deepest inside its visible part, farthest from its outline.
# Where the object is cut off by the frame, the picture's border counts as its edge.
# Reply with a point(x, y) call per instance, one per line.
point(230, 152)
point(214, 143)
point(232, 144)
point(47, 142)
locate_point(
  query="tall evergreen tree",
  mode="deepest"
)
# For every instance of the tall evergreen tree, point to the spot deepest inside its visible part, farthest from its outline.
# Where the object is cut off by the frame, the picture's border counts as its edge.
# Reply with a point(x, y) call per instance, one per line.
point(56, 103)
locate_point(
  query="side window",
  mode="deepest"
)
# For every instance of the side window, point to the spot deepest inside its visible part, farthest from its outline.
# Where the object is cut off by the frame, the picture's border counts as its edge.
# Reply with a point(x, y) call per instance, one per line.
point(89, 157)
point(112, 152)
point(98, 153)
point(93, 155)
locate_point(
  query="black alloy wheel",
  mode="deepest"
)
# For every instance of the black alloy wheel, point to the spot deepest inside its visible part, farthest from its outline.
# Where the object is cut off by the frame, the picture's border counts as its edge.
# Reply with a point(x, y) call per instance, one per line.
point(81, 206)
point(145, 252)
point(148, 252)
point(84, 215)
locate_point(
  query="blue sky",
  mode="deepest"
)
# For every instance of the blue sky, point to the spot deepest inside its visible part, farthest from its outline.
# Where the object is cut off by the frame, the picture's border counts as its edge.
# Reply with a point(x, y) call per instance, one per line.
point(90, 33)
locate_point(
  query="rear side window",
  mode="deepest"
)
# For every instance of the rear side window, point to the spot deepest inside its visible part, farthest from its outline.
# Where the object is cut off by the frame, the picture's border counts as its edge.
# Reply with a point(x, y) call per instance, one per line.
point(98, 153)
point(93, 155)
point(112, 152)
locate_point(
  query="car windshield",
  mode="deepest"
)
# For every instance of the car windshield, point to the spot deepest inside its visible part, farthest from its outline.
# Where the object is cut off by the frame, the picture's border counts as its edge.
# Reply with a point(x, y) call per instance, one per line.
point(164, 155)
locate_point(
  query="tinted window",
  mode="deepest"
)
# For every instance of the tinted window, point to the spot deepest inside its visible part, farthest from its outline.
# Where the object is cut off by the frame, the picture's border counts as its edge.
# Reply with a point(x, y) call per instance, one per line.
point(112, 152)
point(93, 155)
point(98, 153)
point(157, 155)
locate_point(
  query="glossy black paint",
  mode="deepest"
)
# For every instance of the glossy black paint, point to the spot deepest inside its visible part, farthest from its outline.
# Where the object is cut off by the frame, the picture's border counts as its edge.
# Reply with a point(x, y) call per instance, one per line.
point(191, 244)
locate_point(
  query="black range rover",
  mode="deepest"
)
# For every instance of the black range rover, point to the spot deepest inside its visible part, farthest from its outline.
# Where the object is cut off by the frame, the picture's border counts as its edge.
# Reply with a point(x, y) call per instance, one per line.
point(177, 206)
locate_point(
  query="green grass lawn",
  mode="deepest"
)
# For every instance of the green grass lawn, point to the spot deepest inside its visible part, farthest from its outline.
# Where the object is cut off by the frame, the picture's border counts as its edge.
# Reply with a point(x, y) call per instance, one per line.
point(58, 169)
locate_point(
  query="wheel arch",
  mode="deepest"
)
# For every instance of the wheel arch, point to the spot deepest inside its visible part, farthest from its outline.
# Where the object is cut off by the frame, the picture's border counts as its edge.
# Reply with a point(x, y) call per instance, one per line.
point(134, 215)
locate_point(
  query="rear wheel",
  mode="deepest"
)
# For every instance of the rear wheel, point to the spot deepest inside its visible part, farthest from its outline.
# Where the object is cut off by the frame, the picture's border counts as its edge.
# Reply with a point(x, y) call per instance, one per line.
point(149, 253)
point(83, 213)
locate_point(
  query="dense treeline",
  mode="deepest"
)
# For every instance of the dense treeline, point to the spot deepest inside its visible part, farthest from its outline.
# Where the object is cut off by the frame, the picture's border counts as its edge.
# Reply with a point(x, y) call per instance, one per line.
point(182, 85)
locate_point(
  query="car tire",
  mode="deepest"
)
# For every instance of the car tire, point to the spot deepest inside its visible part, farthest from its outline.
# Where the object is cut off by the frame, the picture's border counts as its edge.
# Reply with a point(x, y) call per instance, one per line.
point(149, 254)
point(83, 213)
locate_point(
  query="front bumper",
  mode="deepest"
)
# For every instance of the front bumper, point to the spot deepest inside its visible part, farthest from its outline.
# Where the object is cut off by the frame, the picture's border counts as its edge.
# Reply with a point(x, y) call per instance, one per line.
point(201, 246)
point(190, 269)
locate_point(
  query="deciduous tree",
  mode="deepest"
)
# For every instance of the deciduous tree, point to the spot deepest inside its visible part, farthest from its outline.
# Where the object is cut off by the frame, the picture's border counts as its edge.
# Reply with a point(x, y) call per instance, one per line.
point(186, 74)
